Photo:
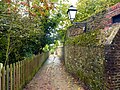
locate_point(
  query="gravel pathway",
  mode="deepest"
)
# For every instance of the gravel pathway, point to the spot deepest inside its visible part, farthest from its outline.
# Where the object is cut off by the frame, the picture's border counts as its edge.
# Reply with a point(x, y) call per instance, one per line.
point(52, 76)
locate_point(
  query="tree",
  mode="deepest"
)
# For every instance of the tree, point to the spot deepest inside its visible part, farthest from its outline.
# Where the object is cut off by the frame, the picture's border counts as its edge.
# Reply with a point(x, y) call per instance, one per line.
point(19, 36)
point(22, 36)
point(87, 8)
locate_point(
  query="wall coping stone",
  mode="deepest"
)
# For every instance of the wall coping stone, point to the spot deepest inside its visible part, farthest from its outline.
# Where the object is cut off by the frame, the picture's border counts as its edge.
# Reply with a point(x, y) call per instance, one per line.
point(115, 30)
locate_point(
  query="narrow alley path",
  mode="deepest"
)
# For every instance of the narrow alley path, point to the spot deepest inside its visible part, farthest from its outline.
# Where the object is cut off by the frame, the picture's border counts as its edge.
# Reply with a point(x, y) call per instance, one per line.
point(52, 76)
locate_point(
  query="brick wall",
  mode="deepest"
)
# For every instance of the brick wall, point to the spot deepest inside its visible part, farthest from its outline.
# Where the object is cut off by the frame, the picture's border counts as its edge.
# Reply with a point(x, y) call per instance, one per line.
point(103, 19)
point(112, 63)
point(86, 63)
point(76, 29)
point(111, 12)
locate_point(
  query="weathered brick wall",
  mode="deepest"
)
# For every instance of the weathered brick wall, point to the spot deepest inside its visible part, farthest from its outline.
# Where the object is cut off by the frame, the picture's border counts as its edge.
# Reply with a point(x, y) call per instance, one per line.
point(103, 19)
point(111, 12)
point(112, 63)
point(76, 29)
point(97, 21)
point(86, 63)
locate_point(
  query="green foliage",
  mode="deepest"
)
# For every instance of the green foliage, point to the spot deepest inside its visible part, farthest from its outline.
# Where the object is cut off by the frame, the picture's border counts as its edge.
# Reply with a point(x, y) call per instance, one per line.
point(64, 21)
point(52, 51)
point(85, 39)
point(21, 37)
point(87, 8)
point(46, 48)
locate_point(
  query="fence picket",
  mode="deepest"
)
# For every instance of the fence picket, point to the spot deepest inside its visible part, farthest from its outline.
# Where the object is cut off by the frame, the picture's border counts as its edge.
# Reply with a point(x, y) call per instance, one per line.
point(7, 77)
point(21, 75)
point(14, 78)
point(0, 79)
point(3, 78)
point(18, 75)
point(1, 65)
point(11, 77)
point(23, 72)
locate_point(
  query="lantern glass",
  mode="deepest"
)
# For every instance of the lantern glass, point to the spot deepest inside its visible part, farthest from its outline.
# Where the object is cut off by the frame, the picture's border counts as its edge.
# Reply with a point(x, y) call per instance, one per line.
point(72, 12)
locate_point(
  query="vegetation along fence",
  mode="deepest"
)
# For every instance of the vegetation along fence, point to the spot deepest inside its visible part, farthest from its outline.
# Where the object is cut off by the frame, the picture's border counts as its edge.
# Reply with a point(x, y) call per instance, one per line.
point(16, 75)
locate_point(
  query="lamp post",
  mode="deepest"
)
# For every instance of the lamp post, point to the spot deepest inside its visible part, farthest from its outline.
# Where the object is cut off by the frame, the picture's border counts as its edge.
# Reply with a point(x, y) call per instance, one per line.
point(71, 13)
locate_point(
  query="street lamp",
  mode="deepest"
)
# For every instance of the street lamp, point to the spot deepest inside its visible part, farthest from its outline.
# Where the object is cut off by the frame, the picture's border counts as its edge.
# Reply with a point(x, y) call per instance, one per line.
point(72, 12)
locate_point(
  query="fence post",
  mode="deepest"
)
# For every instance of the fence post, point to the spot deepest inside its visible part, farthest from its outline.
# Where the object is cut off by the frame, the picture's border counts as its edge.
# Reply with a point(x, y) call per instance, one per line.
point(18, 75)
point(14, 77)
point(32, 67)
point(3, 78)
point(28, 63)
point(0, 79)
point(23, 72)
point(11, 78)
point(7, 77)
point(1, 66)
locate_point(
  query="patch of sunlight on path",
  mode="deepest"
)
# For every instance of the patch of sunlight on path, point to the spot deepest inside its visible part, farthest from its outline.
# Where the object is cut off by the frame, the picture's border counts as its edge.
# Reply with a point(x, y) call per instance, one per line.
point(52, 76)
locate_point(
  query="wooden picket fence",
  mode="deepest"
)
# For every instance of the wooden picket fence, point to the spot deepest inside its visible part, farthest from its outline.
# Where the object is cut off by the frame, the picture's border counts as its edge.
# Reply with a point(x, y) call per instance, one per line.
point(15, 76)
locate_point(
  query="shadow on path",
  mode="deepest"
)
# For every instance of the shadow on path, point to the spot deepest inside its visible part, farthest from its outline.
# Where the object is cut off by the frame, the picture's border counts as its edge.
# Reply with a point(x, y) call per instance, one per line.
point(52, 76)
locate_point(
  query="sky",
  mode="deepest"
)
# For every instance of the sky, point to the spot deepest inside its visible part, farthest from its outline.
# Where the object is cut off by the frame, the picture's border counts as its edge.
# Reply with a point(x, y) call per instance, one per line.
point(73, 2)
